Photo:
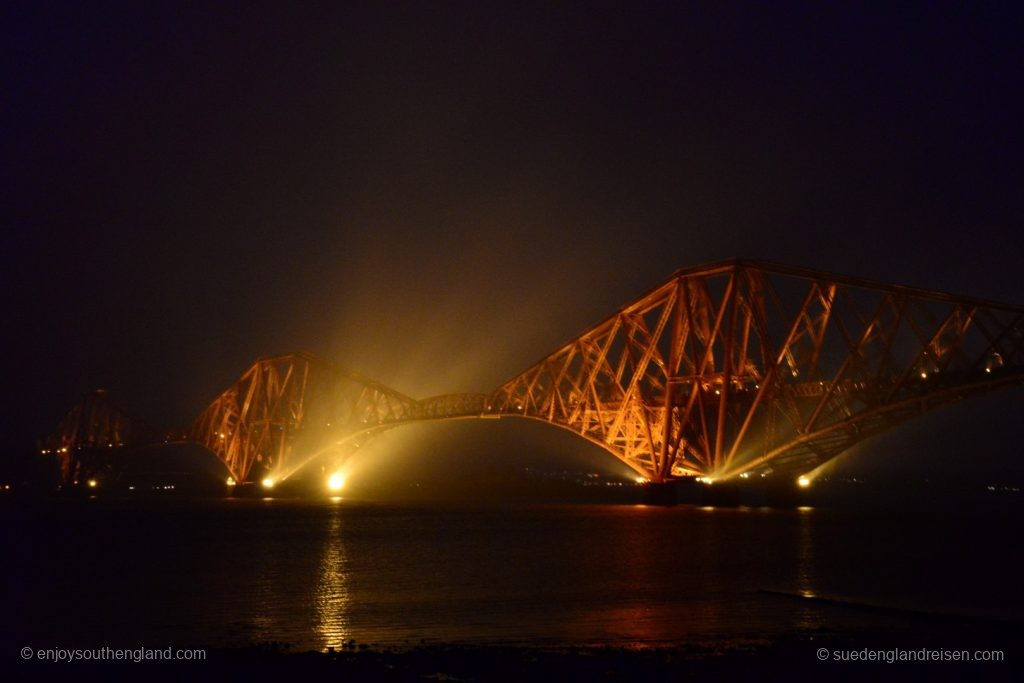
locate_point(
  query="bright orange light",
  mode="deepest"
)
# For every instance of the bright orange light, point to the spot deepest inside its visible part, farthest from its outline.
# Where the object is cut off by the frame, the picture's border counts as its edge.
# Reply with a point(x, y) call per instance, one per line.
point(92, 483)
point(804, 482)
point(268, 483)
point(336, 481)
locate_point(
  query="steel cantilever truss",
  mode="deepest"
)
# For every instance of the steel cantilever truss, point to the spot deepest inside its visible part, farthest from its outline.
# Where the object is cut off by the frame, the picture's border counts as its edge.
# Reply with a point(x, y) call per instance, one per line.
point(278, 401)
point(721, 369)
point(735, 365)
point(89, 432)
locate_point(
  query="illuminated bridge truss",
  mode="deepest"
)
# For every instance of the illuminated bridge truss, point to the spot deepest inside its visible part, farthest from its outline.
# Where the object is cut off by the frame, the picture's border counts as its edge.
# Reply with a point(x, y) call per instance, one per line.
point(89, 433)
point(720, 370)
point(738, 365)
point(283, 407)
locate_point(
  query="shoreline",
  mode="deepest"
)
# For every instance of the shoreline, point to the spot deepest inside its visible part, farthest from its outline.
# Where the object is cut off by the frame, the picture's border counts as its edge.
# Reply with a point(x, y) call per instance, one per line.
point(845, 655)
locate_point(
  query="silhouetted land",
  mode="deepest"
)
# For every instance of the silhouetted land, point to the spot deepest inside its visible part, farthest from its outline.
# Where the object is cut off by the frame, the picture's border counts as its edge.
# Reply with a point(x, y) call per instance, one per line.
point(788, 658)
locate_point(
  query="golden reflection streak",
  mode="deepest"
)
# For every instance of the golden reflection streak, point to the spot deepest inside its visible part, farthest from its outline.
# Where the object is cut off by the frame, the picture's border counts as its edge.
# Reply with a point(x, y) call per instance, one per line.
point(333, 598)
point(807, 575)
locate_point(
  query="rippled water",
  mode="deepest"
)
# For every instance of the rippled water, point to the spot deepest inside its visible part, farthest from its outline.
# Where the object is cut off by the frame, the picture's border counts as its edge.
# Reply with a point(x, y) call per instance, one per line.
point(316, 574)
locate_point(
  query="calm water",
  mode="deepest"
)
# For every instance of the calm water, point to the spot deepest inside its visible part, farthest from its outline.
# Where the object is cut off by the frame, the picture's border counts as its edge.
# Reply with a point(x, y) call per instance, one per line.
point(315, 574)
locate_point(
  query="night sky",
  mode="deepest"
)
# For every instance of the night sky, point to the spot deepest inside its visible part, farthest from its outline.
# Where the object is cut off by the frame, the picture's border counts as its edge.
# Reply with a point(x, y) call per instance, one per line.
point(438, 194)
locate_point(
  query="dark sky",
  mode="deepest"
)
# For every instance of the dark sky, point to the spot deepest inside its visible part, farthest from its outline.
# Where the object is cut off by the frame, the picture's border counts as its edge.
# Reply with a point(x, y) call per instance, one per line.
point(438, 194)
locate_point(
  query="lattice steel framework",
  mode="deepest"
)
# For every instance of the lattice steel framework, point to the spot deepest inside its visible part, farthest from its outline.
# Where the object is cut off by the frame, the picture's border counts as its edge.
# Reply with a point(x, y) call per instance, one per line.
point(735, 365)
point(721, 369)
point(87, 434)
point(260, 419)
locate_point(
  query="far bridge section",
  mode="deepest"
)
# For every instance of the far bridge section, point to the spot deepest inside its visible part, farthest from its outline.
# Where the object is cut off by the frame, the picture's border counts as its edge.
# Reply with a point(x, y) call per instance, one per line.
point(91, 436)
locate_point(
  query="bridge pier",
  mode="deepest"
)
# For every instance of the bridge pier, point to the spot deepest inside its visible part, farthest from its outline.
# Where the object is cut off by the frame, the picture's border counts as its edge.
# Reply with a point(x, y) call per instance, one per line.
point(690, 491)
point(663, 493)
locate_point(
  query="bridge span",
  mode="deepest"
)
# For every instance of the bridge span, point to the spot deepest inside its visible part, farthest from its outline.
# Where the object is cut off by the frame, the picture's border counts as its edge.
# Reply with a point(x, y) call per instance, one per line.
point(723, 369)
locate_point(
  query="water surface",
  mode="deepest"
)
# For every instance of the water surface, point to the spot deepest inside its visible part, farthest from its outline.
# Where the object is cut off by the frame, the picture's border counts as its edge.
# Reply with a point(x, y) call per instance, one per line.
point(316, 574)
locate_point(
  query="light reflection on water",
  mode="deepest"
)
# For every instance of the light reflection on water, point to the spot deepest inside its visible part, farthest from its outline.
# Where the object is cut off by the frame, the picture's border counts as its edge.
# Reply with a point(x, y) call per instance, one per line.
point(807, 581)
point(332, 595)
point(317, 574)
